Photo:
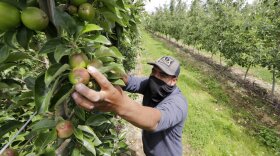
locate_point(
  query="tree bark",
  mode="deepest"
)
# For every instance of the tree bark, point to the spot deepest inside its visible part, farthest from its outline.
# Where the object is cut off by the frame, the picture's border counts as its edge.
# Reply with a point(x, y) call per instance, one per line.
point(247, 71)
point(220, 58)
point(273, 81)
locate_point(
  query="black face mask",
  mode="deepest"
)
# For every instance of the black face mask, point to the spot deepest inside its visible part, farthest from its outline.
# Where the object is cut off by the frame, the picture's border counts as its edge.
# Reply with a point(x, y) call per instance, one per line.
point(159, 89)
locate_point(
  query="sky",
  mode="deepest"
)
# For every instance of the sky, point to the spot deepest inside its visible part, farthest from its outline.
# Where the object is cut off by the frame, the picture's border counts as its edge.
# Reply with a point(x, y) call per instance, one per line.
point(150, 5)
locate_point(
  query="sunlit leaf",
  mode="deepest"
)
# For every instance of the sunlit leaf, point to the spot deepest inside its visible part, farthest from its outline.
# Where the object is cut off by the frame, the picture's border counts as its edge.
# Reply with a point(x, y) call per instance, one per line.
point(90, 131)
point(60, 51)
point(97, 120)
point(89, 28)
point(99, 39)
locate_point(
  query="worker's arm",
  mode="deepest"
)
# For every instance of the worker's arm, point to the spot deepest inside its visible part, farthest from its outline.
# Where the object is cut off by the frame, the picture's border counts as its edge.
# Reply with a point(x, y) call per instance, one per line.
point(114, 99)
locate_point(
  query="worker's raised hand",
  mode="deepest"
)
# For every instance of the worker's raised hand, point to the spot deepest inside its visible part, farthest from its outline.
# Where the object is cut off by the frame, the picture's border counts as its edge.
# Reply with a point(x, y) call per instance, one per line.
point(109, 98)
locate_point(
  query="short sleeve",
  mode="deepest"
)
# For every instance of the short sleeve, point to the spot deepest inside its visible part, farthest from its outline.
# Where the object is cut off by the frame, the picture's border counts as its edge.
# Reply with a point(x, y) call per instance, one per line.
point(173, 111)
point(136, 84)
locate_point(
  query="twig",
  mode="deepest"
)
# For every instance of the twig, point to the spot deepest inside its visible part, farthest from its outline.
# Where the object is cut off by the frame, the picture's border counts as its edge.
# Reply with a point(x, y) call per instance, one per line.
point(60, 150)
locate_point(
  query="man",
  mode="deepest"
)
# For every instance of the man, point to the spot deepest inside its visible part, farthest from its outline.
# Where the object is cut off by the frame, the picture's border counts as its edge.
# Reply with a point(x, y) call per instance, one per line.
point(162, 114)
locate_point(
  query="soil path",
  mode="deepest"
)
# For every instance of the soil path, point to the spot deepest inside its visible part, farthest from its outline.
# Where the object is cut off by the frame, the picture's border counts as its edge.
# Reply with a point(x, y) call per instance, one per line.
point(134, 134)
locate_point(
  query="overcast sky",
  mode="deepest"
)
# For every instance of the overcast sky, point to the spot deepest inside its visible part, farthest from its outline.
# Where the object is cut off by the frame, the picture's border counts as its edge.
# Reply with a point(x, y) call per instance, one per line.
point(151, 5)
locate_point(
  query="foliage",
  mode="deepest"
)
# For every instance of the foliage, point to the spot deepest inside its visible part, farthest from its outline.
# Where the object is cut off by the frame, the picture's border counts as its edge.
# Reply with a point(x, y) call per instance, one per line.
point(34, 69)
point(245, 34)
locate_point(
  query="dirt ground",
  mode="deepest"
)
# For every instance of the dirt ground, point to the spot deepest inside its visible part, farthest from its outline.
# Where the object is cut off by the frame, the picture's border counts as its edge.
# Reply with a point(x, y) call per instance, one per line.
point(134, 134)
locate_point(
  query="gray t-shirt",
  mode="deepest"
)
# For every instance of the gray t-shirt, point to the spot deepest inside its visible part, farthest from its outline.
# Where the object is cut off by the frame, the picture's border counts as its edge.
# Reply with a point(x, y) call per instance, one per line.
point(166, 140)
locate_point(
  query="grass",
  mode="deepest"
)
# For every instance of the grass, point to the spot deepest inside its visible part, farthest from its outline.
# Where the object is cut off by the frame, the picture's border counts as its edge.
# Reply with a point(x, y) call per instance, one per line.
point(211, 128)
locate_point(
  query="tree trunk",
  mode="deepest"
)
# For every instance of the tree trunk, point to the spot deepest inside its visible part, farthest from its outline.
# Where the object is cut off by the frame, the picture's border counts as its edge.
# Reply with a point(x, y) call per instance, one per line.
point(220, 58)
point(273, 82)
point(247, 71)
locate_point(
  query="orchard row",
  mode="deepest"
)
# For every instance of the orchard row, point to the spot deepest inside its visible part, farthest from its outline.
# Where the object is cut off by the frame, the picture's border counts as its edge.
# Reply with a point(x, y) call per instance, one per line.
point(244, 34)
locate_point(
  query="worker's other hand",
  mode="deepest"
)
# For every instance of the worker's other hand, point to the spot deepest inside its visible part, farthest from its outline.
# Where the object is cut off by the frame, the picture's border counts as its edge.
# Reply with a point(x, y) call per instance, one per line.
point(109, 98)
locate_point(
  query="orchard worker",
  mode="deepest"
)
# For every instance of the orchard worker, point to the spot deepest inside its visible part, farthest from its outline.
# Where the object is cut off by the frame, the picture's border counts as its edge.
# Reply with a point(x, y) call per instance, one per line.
point(162, 114)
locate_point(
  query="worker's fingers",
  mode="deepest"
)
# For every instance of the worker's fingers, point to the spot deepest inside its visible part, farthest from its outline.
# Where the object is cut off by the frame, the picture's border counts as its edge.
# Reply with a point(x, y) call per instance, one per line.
point(92, 95)
point(103, 82)
point(82, 102)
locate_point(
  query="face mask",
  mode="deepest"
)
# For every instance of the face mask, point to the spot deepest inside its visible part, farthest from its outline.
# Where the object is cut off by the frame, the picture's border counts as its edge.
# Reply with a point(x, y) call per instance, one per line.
point(159, 89)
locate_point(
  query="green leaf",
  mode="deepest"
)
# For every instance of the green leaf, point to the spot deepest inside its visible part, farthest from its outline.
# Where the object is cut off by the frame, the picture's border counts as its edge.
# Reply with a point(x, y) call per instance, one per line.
point(64, 91)
point(89, 28)
point(9, 38)
point(43, 125)
point(63, 21)
point(64, 96)
point(23, 36)
point(60, 51)
point(76, 152)
point(106, 60)
point(43, 94)
point(78, 134)
point(50, 45)
point(104, 52)
point(97, 120)
point(118, 82)
point(25, 95)
point(115, 70)
point(89, 145)
point(117, 52)
point(11, 83)
point(4, 85)
point(54, 71)
point(9, 126)
point(4, 53)
point(44, 139)
point(15, 3)
point(113, 17)
point(99, 39)
point(80, 113)
point(20, 103)
point(30, 82)
point(48, 152)
point(6, 65)
point(90, 131)
point(16, 56)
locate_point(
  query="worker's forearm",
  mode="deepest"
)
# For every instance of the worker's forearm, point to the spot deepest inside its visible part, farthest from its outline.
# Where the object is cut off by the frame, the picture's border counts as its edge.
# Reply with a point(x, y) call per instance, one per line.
point(140, 116)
